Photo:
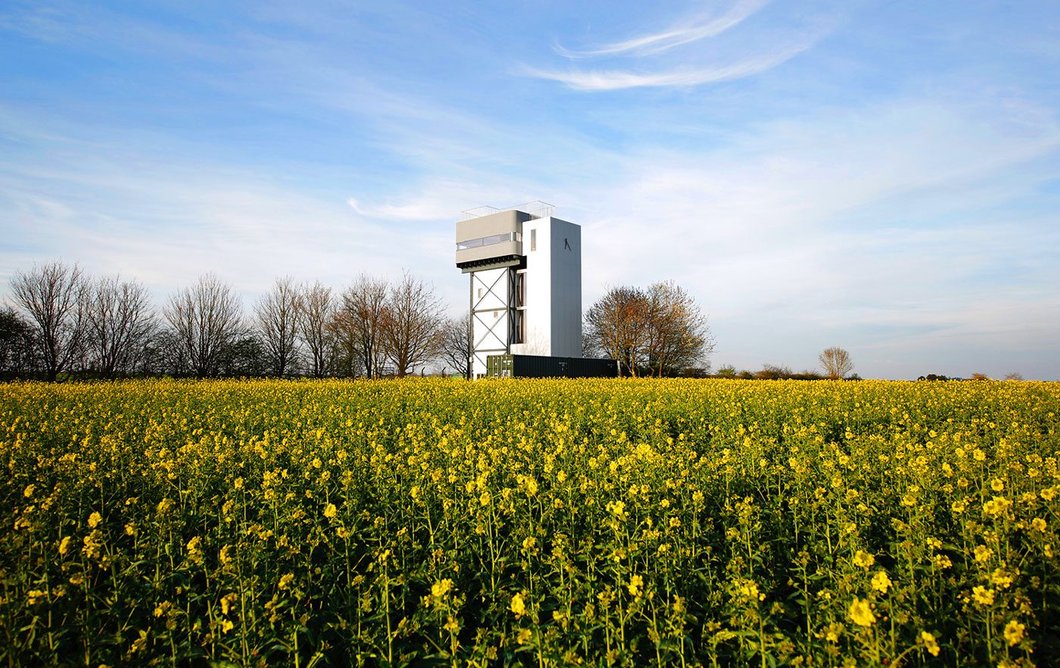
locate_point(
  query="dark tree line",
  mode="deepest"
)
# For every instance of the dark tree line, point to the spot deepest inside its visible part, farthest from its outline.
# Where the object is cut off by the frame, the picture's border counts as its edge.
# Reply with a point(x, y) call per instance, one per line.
point(71, 325)
point(68, 324)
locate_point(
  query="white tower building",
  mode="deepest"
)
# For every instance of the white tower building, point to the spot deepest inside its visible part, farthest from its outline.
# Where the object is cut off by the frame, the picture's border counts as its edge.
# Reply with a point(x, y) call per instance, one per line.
point(526, 282)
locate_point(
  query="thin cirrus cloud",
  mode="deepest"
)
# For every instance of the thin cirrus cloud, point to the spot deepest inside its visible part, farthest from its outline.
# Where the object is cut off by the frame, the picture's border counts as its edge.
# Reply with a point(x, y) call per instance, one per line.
point(700, 40)
point(683, 32)
point(602, 80)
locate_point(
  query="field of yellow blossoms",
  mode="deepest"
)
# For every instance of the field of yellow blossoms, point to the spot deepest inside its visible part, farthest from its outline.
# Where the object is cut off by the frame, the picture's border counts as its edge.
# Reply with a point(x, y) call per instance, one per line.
point(530, 522)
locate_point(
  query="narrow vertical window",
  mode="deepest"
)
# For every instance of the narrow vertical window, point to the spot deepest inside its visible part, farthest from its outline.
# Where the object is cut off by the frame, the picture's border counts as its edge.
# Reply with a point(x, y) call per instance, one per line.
point(533, 240)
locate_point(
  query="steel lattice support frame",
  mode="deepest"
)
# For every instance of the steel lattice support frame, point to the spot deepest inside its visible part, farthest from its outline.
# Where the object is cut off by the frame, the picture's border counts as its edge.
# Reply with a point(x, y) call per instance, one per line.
point(498, 335)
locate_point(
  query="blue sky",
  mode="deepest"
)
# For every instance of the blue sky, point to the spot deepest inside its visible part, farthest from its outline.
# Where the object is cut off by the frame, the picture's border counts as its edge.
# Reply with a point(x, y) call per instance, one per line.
point(882, 176)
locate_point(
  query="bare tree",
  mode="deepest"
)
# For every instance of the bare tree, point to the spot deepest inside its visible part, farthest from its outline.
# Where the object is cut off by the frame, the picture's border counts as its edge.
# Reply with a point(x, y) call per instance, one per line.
point(411, 325)
point(205, 319)
point(317, 309)
point(660, 331)
point(277, 317)
point(54, 297)
point(616, 326)
point(836, 362)
point(455, 347)
point(120, 322)
point(677, 337)
point(362, 318)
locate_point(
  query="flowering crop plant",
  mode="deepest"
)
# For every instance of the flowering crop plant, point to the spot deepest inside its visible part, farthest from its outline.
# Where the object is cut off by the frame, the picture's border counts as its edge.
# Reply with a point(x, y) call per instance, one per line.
point(548, 522)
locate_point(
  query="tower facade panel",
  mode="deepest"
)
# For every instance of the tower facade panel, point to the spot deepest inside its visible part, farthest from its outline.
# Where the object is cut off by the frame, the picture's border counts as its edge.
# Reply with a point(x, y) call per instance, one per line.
point(525, 279)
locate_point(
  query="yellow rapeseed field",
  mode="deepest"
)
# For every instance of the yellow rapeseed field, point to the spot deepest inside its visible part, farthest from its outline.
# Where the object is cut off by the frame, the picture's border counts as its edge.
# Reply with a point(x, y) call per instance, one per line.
point(530, 522)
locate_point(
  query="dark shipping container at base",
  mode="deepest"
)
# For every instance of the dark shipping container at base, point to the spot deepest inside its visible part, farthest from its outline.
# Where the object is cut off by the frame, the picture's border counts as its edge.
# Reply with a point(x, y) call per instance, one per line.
point(541, 366)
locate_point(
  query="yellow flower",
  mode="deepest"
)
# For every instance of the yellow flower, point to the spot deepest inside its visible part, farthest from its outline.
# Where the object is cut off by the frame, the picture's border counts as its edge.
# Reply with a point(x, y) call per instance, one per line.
point(996, 506)
point(518, 606)
point(930, 644)
point(880, 582)
point(860, 613)
point(529, 543)
point(285, 581)
point(997, 484)
point(1001, 578)
point(330, 511)
point(94, 519)
point(679, 605)
point(226, 602)
point(1014, 632)
point(36, 596)
point(864, 559)
point(982, 554)
point(441, 588)
point(195, 550)
point(524, 636)
point(92, 546)
point(983, 596)
point(28, 492)
point(529, 484)
point(1038, 524)
point(64, 545)
point(833, 632)
point(748, 590)
point(139, 644)
point(636, 585)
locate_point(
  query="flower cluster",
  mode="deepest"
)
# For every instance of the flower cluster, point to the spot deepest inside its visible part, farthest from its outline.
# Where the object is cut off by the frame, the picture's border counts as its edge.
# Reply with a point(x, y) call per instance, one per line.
point(554, 522)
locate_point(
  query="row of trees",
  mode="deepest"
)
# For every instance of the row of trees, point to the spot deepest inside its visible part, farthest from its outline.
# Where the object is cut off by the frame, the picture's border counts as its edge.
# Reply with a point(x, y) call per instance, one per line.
point(108, 327)
point(71, 323)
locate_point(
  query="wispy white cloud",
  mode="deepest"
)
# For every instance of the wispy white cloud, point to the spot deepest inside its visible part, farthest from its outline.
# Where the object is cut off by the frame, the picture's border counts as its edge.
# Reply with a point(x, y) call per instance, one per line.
point(441, 204)
point(601, 80)
point(701, 49)
point(687, 30)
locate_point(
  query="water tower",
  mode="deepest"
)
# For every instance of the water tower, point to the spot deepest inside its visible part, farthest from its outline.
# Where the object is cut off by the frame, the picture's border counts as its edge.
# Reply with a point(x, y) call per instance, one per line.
point(525, 273)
